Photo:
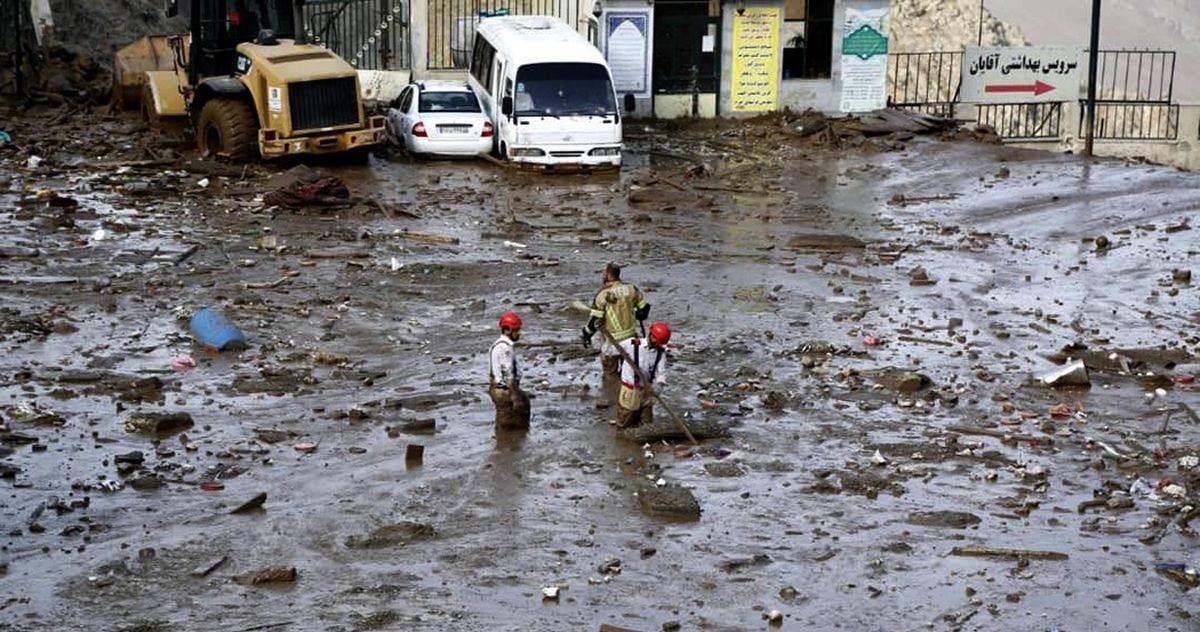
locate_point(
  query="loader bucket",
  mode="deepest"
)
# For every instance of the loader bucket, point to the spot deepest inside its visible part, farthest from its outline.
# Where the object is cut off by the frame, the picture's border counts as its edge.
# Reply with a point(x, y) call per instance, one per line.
point(133, 61)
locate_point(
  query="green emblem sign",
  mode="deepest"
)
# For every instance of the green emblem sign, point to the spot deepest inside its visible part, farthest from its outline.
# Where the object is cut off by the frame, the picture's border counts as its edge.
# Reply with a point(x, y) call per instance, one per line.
point(865, 43)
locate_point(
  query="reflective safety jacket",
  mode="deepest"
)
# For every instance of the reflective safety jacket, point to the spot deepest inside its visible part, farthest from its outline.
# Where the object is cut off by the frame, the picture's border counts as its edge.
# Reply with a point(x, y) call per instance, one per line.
point(616, 303)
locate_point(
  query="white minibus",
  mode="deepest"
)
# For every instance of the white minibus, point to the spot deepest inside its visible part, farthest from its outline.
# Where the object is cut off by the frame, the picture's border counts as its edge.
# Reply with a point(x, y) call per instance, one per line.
point(549, 93)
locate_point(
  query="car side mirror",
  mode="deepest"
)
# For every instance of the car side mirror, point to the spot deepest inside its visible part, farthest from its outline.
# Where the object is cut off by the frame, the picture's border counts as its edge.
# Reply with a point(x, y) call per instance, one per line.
point(171, 8)
point(506, 106)
point(630, 103)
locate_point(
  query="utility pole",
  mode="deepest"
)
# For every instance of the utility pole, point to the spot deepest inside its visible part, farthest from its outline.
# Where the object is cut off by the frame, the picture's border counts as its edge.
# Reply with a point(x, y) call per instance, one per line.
point(1093, 60)
point(980, 42)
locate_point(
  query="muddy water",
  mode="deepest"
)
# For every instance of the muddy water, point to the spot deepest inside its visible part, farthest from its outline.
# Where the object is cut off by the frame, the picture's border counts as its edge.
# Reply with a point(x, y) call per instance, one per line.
point(746, 273)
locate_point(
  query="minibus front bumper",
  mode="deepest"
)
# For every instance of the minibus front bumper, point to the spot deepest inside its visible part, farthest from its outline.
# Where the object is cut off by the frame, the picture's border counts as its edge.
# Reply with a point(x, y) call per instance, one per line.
point(567, 157)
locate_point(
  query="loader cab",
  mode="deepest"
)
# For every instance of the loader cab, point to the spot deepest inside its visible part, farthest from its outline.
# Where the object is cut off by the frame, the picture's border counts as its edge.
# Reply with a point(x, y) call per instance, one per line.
point(218, 26)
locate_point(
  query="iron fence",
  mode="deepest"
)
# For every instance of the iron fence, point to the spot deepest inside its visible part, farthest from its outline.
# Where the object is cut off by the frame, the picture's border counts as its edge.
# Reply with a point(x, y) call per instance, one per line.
point(1134, 121)
point(451, 28)
point(1135, 76)
point(927, 82)
point(370, 34)
point(1023, 121)
point(16, 45)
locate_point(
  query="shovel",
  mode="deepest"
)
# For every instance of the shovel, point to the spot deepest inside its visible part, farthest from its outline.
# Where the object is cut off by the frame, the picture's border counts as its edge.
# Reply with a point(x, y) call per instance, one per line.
point(641, 376)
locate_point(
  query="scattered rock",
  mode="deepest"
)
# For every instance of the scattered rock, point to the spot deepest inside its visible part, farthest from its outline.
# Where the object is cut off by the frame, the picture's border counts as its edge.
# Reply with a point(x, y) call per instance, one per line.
point(134, 458)
point(900, 380)
point(815, 241)
point(611, 566)
point(146, 482)
point(391, 535)
point(254, 503)
point(741, 563)
point(665, 429)
point(271, 575)
point(919, 277)
point(270, 435)
point(413, 426)
point(668, 500)
point(775, 400)
point(159, 423)
point(723, 469)
point(950, 519)
point(205, 569)
point(1073, 374)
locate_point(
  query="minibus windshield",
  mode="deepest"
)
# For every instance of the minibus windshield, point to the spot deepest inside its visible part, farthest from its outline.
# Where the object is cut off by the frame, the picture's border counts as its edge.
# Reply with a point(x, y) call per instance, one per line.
point(563, 89)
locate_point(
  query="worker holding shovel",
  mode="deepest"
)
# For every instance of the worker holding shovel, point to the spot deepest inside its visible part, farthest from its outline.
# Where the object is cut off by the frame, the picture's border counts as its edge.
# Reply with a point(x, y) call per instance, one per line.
point(649, 362)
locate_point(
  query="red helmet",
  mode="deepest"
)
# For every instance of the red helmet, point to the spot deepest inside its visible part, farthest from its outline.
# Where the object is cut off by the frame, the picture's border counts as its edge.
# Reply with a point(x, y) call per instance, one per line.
point(660, 333)
point(510, 320)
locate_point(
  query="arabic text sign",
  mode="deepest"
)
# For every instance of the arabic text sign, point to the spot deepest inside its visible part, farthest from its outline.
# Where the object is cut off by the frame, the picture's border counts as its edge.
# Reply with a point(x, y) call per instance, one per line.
point(864, 60)
point(1020, 74)
point(627, 50)
point(755, 60)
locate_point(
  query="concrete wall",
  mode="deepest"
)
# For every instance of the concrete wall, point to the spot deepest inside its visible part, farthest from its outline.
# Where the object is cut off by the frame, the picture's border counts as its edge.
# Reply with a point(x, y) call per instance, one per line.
point(671, 106)
point(382, 86)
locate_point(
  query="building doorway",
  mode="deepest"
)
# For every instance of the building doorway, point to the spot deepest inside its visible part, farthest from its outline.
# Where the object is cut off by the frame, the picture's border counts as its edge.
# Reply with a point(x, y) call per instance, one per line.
point(687, 57)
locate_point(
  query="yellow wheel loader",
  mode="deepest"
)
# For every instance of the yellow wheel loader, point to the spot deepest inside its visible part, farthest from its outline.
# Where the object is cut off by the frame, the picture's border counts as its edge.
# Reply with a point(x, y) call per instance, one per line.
point(248, 82)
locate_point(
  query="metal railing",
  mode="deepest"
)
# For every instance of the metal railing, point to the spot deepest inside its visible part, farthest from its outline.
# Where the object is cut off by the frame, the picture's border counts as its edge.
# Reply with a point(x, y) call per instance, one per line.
point(927, 82)
point(369, 34)
point(16, 41)
point(451, 27)
point(1023, 121)
point(1135, 76)
point(1134, 121)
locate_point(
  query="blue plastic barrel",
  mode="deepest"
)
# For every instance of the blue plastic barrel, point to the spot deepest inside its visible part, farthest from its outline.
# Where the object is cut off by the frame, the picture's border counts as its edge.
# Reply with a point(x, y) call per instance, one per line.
point(213, 329)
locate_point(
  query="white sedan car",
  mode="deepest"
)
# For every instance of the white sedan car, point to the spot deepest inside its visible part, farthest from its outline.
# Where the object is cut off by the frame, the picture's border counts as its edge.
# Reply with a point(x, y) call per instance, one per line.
point(439, 118)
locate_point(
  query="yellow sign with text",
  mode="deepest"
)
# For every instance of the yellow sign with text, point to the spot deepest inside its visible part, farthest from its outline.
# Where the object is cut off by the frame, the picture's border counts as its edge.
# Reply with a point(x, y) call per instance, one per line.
point(755, 81)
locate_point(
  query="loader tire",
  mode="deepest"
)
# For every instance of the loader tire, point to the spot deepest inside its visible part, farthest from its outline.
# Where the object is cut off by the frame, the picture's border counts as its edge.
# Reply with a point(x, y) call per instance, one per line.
point(227, 128)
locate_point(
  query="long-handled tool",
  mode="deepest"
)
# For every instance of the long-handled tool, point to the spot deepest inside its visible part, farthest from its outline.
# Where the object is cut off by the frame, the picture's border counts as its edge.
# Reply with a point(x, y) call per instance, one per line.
point(646, 383)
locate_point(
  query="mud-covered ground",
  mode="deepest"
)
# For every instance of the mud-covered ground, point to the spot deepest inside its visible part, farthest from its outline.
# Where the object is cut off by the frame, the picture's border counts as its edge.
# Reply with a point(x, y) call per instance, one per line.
point(852, 478)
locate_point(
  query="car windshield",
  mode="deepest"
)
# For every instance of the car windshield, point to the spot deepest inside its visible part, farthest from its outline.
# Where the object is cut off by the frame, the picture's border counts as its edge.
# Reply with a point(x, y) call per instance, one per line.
point(464, 101)
point(563, 89)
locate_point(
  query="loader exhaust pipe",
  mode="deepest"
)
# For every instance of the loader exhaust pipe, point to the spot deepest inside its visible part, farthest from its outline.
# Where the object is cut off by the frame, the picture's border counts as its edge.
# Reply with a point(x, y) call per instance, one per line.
point(298, 22)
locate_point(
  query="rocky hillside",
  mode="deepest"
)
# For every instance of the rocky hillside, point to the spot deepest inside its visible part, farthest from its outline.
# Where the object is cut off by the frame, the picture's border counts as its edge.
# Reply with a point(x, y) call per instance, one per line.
point(100, 27)
point(940, 25)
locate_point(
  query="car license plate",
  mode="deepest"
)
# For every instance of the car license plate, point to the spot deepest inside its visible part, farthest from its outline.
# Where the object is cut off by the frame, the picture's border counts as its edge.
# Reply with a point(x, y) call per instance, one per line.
point(454, 129)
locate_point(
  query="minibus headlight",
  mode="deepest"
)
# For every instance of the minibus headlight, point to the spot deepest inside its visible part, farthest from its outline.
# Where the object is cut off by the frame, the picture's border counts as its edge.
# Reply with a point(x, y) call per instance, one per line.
point(605, 151)
point(527, 152)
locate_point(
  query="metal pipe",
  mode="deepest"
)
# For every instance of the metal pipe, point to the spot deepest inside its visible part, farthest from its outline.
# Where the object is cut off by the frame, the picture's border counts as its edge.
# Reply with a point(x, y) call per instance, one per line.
point(18, 5)
point(1093, 59)
point(301, 36)
point(980, 42)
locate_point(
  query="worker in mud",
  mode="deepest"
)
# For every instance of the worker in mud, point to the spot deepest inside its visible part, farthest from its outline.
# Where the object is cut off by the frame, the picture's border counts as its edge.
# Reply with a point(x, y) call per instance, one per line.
point(649, 356)
point(616, 308)
point(504, 378)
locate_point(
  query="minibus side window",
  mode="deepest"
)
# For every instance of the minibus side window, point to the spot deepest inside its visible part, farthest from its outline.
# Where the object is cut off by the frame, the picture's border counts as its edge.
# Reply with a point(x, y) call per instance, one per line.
point(485, 68)
point(477, 58)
